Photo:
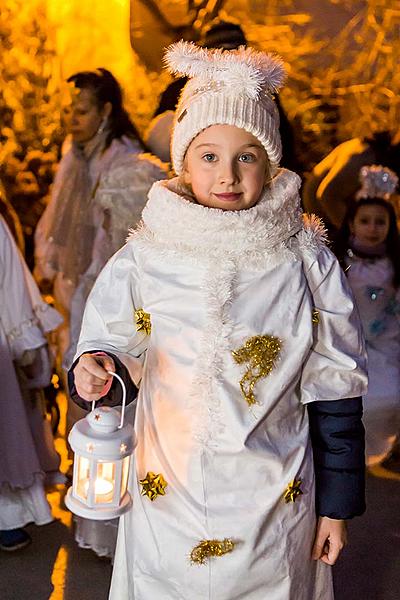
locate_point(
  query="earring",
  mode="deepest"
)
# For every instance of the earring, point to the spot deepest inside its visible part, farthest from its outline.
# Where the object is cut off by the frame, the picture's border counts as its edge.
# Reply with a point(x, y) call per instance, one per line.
point(102, 125)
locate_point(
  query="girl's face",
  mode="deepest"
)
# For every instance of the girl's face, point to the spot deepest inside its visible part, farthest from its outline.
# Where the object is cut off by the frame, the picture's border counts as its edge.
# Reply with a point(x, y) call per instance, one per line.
point(370, 225)
point(83, 116)
point(226, 167)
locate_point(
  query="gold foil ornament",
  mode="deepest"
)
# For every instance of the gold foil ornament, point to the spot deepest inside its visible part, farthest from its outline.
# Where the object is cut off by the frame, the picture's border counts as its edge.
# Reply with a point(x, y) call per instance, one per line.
point(293, 491)
point(208, 548)
point(315, 316)
point(143, 321)
point(260, 353)
point(153, 485)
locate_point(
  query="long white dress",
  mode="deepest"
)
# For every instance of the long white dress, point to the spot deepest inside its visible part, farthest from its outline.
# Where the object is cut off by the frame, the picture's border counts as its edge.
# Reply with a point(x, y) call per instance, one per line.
point(210, 281)
point(25, 453)
point(379, 305)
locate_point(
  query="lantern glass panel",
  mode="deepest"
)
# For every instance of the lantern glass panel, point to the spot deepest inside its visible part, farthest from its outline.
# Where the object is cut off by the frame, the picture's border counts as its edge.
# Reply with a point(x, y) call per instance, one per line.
point(125, 472)
point(104, 483)
point(82, 484)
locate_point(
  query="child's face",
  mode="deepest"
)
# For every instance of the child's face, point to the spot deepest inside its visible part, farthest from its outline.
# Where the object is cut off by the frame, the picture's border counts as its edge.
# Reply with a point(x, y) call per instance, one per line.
point(370, 225)
point(226, 167)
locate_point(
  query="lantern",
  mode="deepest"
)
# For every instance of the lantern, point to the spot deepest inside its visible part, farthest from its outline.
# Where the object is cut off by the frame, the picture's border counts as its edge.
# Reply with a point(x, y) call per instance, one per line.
point(103, 446)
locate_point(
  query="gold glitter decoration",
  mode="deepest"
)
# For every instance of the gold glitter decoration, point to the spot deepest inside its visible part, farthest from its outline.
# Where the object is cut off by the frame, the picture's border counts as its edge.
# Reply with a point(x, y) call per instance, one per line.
point(153, 485)
point(293, 491)
point(208, 548)
point(142, 320)
point(261, 353)
point(315, 316)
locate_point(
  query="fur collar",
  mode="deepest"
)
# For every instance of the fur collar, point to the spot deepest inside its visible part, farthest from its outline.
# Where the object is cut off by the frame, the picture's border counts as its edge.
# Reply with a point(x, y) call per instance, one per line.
point(176, 221)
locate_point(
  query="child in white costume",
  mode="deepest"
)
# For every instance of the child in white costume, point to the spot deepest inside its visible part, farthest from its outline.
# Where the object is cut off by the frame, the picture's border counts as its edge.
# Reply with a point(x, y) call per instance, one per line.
point(369, 249)
point(210, 305)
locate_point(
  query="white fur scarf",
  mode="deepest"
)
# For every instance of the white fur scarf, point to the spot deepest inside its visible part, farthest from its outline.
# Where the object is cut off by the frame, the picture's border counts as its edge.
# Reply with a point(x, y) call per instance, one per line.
point(255, 237)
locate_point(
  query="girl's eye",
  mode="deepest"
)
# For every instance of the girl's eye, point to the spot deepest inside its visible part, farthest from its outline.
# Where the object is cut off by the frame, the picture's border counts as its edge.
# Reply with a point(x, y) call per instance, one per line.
point(209, 157)
point(247, 158)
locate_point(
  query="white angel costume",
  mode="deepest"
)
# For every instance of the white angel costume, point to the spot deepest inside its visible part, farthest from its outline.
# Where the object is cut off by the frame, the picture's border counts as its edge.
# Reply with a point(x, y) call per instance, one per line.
point(27, 454)
point(212, 311)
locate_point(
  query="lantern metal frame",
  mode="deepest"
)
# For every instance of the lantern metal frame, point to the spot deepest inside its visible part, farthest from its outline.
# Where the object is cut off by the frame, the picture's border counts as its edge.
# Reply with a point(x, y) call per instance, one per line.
point(99, 440)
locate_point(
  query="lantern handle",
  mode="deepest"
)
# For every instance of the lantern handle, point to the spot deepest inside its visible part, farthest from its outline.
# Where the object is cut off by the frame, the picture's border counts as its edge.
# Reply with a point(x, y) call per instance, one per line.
point(121, 424)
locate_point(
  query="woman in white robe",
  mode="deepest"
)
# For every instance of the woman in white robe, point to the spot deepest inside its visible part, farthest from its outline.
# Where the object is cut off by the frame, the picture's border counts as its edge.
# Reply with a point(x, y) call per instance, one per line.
point(100, 189)
point(26, 453)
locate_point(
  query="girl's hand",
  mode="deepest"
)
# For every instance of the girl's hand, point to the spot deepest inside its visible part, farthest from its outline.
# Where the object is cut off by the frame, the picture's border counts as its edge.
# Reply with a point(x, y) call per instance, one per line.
point(91, 375)
point(330, 539)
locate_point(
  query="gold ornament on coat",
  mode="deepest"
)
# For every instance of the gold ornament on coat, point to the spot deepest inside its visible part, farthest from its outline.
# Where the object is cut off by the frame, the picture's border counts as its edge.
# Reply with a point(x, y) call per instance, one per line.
point(153, 485)
point(208, 548)
point(260, 353)
point(315, 316)
point(143, 321)
point(293, 491)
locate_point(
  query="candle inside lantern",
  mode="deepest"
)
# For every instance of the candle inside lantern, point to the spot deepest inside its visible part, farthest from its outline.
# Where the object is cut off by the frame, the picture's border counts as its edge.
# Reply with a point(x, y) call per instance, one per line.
point(102, 487)
point(103, 446)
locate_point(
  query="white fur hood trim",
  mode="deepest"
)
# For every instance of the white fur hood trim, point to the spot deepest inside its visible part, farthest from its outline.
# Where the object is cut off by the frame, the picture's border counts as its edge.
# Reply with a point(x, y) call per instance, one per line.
point(174, 220)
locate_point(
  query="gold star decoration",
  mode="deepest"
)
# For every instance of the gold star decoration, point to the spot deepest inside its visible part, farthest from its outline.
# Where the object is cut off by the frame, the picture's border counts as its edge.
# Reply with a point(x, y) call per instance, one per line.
point(208, 548)
point(122, 448)
point(315, 316)
point(89, 447)
point(97, 417)
point(143, 321)
point(260, 353)
point(293, 491)
point(153, 485)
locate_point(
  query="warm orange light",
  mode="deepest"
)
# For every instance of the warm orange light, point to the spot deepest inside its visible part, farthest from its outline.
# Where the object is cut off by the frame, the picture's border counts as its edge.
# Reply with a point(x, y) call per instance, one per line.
point(102, 487)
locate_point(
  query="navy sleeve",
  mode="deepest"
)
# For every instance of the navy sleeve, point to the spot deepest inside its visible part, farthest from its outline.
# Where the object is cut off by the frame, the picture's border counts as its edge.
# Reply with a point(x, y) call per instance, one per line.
point(114, 396)
point(337, 436)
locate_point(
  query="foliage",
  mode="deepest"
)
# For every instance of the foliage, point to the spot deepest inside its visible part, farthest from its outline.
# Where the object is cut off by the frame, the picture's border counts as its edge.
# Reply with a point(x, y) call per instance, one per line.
point(30, 133)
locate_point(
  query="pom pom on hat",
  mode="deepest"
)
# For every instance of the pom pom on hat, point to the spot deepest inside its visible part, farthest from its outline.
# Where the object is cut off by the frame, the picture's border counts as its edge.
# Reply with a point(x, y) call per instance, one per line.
point(226, 87)
point(250, 70)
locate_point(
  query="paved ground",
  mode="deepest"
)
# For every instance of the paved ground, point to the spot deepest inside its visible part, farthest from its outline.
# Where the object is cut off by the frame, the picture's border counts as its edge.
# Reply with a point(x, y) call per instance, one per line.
point(54, 568)
point(369, 568)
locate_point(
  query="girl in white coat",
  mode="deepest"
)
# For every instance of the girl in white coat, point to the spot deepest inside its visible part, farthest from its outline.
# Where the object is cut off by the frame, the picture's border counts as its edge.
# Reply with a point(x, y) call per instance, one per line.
point(238, 324)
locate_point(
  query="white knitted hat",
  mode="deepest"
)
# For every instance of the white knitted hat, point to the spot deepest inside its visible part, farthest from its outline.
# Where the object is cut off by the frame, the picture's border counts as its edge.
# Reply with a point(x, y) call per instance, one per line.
point(226, 87)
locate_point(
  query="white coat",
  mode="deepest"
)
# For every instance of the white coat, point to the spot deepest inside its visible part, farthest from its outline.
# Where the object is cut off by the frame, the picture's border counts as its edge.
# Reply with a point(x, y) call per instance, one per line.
point(210, 281)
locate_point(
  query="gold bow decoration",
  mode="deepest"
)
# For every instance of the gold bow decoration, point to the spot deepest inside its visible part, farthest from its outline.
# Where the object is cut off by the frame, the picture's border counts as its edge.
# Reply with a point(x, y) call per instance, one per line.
point(208, 548)
point(143, 321)
point(260, 353)
point(153, 485)
point(293, 490)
